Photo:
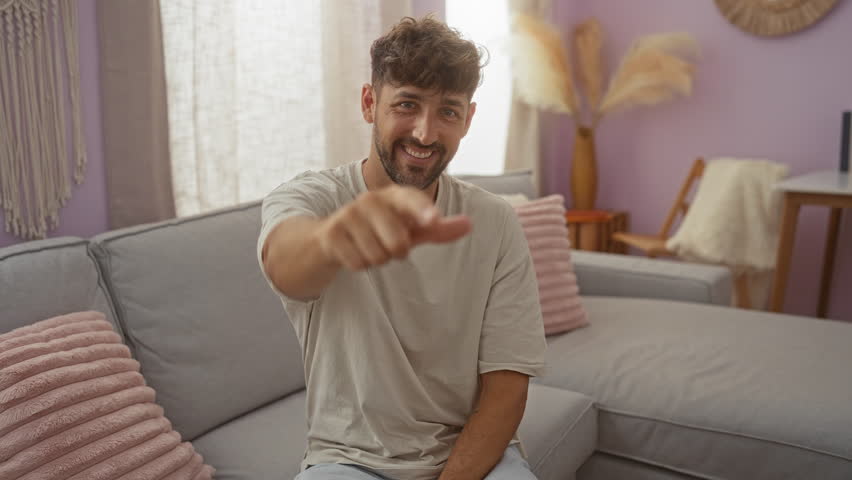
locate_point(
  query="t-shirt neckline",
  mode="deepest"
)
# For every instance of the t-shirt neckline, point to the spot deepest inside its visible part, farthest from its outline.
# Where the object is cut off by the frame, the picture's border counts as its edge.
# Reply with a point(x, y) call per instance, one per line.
point(361, 186)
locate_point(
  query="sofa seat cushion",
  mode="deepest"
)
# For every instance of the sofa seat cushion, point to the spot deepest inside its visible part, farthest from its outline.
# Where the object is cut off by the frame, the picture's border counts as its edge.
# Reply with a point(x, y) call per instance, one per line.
point(713, 391)
point(558, 431)
point(46, 278)
point(603, 466)
point(558, 434)
point(267, 443)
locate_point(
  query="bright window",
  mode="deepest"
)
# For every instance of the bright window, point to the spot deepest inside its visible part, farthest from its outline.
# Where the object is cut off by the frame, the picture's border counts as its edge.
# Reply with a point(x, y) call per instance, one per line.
point(485, 22)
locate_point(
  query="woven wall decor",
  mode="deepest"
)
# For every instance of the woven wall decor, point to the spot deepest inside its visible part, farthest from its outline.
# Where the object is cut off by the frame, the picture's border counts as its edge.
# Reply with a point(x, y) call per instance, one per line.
point(40, 115)
point(774, 17)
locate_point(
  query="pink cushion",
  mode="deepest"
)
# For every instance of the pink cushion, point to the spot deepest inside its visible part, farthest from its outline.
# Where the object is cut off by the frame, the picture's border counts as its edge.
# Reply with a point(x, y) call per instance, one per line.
point(74, 405)
point(544, 224)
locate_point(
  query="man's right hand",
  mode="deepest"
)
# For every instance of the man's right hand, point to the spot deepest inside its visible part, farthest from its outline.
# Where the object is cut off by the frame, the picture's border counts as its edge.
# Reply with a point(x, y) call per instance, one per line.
point(384, 224)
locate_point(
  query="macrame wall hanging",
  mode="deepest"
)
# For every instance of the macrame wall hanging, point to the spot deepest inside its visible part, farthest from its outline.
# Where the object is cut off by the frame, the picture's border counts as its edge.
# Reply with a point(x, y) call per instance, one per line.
point(40, 117)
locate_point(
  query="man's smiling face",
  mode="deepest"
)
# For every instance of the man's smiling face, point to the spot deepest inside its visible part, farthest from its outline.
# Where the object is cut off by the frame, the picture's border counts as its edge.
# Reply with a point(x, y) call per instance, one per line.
point(416, 132)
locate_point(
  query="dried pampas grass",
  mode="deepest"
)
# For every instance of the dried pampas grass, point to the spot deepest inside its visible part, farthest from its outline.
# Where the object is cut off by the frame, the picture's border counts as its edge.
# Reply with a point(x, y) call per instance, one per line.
point(647, 78)
point(655, 69)
point(677, 43)
point(652, 72)
point(541, 66)
point(588, 44)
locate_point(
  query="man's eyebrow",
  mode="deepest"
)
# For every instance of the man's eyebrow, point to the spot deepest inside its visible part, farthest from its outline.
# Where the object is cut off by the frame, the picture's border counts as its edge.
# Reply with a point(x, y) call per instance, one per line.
point(414, 96)
point(452, 102)
point(411, 95)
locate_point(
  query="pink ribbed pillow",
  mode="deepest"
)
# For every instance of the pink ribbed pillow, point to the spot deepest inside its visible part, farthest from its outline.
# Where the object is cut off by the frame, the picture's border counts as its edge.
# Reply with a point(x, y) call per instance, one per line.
point(543, 221)
point(73, 405)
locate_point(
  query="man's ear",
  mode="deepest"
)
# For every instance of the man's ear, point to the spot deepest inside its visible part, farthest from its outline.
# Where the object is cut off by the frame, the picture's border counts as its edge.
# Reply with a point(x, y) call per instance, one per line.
point(368, 102)
point(470, 111)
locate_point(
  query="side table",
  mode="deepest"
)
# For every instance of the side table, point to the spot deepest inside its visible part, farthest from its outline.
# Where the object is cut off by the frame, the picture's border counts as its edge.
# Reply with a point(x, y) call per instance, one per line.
point(831, 189)
point(592, 229)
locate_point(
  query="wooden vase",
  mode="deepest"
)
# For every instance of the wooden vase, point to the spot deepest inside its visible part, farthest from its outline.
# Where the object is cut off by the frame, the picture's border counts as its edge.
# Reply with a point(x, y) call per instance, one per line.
point(584, 170)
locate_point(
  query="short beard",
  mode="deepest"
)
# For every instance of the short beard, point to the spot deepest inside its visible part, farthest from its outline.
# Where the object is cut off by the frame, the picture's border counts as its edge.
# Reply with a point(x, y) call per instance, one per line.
point(394, 170)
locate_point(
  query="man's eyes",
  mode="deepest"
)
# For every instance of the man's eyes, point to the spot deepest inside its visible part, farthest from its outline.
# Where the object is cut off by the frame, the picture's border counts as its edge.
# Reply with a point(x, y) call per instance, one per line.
point(447, 112)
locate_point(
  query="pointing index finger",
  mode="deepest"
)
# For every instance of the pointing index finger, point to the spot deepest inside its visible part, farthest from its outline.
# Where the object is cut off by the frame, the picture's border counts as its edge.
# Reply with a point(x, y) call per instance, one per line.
point(413, 204)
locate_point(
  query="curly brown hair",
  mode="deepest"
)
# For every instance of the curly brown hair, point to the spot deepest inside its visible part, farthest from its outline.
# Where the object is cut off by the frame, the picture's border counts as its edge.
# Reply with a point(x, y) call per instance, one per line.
point(427, 54)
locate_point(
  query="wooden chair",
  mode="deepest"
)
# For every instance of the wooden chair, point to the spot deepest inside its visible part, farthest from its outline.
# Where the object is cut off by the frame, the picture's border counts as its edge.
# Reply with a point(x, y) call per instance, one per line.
point(655, 245)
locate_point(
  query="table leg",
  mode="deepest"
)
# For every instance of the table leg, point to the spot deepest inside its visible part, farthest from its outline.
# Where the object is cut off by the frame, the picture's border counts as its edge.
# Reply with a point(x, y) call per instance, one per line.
point(828, 261)
point(785, 251)
point(743, 292)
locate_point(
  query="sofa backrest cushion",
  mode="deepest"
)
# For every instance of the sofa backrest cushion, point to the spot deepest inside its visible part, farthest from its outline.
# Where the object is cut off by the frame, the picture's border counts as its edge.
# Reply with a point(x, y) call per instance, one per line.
point(211, 336)
point(508, 183)
point(46, 278)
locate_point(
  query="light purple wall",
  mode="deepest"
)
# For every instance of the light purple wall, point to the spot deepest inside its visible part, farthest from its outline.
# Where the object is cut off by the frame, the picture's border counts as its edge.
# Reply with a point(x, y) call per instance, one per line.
point(776, 98)
point(86, 212)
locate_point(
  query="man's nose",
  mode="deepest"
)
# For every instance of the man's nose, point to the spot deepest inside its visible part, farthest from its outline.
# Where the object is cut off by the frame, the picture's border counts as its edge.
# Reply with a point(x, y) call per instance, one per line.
point(425, 130)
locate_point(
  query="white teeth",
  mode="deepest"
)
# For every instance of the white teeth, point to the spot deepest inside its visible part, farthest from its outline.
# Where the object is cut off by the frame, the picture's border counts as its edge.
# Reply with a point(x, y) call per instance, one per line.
point(416, 154)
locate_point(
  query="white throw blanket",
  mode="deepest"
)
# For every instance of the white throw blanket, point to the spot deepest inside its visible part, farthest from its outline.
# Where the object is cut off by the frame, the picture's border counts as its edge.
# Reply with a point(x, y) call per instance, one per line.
point(734, 217)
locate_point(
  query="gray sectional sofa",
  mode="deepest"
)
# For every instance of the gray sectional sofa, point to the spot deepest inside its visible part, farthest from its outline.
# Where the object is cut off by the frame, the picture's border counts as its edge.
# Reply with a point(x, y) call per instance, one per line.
point(666, 383)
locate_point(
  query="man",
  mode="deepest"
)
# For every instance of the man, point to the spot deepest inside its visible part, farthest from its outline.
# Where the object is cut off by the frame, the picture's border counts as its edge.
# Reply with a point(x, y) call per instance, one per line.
point(412, 293)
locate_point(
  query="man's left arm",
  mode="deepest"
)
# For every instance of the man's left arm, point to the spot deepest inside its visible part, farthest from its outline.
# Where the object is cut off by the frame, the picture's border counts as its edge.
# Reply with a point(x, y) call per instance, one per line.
point(511, 350)
point(488, 431)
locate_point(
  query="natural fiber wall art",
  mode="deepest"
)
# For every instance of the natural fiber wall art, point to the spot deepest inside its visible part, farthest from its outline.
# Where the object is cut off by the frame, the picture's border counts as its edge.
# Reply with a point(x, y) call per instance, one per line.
point(774, 17)
point(40, 117)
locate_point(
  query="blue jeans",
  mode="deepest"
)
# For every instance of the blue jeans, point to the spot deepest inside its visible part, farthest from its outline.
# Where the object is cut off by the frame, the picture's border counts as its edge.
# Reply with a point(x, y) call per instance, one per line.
point(511, 467)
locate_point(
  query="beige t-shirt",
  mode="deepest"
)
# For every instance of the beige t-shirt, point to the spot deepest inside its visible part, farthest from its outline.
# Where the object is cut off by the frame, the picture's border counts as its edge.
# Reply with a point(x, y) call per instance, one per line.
point(393, 354)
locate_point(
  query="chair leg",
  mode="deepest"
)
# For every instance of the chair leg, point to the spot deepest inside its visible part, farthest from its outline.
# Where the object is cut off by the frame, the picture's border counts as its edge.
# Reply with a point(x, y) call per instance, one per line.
point(743, 294)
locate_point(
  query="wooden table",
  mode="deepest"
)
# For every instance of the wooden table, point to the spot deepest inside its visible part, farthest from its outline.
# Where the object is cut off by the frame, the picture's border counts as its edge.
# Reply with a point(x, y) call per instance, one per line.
point(829, 188)
point(592, 229)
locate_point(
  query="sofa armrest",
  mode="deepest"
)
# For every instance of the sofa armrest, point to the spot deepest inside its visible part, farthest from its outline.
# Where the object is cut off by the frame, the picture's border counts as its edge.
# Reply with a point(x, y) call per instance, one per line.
point(630, 276)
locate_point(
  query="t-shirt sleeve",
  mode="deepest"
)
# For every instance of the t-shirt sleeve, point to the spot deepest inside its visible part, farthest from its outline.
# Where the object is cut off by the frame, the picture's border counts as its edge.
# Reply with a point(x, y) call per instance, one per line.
point(309, 194)
point(513, 331)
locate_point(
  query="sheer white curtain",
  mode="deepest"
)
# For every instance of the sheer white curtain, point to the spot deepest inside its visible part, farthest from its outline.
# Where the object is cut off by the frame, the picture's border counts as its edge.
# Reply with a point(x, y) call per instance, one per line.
point(260, 90)
point(505, 131)
point(485, 22)
point(522, 145)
